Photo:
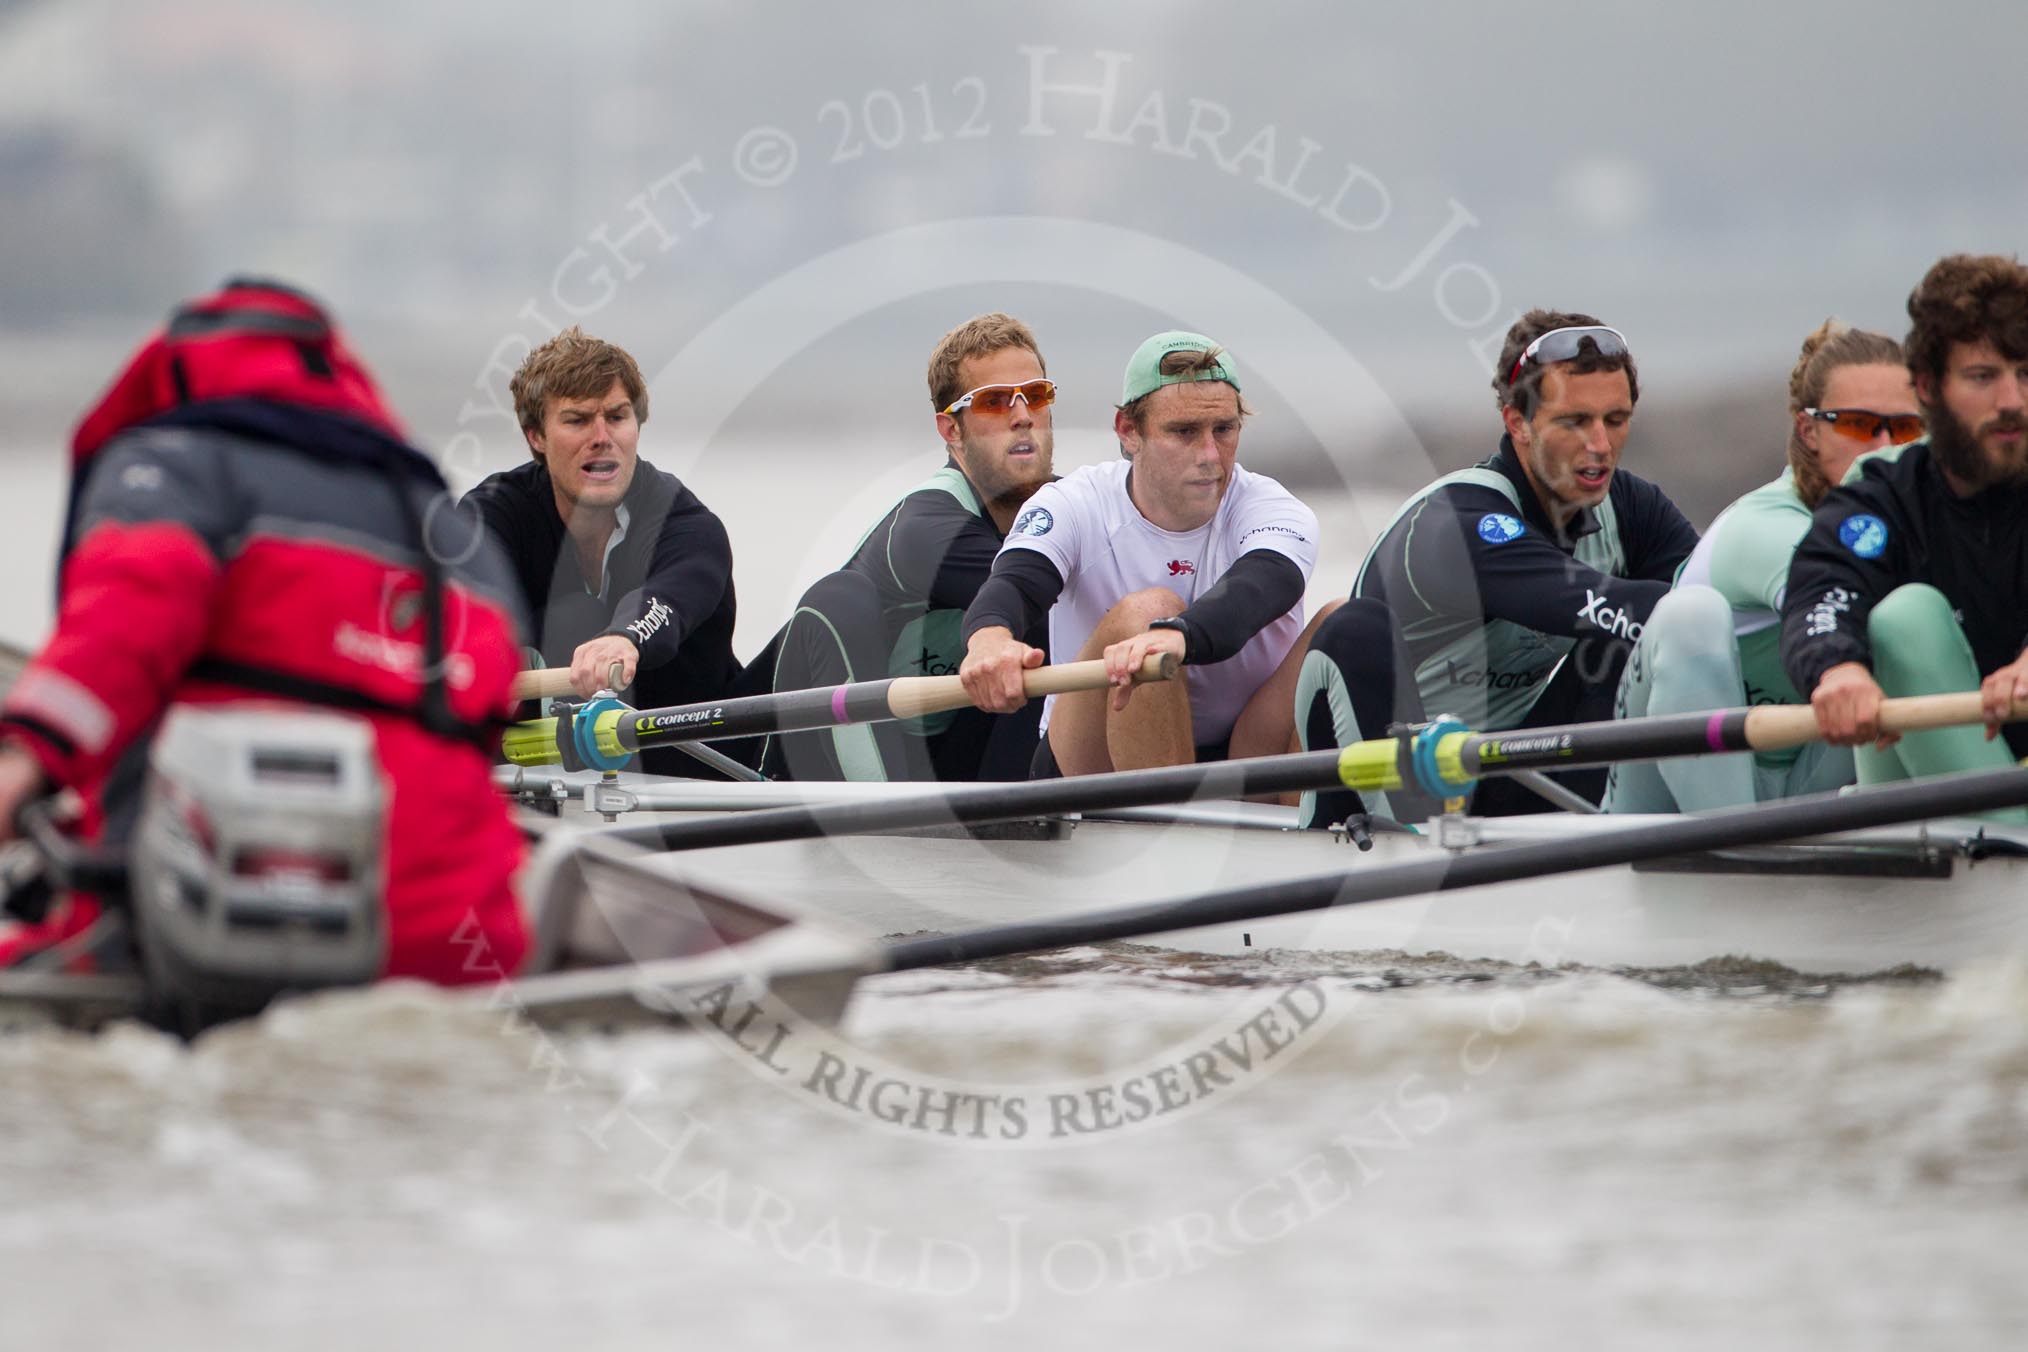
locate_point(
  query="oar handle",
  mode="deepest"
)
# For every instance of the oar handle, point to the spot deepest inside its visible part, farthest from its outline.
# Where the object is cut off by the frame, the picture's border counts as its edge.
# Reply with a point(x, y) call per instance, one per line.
point(915, 696)
point(550, 682)
point(911, 696)
point(542, 683)
point(1773, 727)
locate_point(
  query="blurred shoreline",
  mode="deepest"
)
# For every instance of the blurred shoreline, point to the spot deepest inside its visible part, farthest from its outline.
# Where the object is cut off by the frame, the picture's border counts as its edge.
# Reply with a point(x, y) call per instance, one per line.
point(802, 468)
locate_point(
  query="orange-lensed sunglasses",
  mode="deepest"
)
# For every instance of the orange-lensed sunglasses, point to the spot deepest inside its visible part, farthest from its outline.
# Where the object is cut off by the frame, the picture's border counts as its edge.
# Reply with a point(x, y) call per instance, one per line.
point(1863, 424)
point(998, 399)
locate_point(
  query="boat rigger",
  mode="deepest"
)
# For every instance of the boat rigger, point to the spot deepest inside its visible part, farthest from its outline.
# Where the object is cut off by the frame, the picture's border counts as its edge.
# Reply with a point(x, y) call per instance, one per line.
point(252, 873)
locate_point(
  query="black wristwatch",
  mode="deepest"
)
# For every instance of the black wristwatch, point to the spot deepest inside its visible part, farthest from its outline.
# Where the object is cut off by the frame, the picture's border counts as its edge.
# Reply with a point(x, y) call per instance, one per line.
point(1180, 625)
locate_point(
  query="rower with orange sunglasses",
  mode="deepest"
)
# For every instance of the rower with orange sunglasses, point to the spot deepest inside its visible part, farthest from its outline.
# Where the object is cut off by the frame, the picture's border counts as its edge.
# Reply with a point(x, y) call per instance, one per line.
point(1715, 641)
point(894, 608)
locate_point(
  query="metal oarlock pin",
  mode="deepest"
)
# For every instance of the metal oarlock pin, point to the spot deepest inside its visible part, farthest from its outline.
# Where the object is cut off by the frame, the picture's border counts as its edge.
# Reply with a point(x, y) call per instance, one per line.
point(606, 797)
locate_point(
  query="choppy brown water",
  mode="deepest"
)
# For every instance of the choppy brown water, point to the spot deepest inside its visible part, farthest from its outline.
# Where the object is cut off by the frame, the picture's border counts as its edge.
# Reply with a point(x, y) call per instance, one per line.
point(1289, 1150)
point(1421, 1150)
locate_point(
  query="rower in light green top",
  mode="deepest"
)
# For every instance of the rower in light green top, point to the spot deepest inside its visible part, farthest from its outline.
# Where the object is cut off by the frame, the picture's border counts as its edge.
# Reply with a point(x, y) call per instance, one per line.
point(1715, 641)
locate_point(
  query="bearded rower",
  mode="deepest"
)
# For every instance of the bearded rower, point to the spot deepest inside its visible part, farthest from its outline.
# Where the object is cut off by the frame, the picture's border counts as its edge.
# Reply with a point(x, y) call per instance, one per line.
point(895, 608)
point(1506, 594)
point(1913, 578)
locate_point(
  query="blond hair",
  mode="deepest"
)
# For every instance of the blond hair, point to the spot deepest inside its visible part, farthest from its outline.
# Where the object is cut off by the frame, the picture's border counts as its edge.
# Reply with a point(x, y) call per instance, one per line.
point(1834, 344)
point(574, 365)
point(980, 336)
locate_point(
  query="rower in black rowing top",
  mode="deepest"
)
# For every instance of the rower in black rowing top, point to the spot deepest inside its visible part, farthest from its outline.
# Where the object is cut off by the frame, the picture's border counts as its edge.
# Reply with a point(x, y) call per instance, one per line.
point(617, 561)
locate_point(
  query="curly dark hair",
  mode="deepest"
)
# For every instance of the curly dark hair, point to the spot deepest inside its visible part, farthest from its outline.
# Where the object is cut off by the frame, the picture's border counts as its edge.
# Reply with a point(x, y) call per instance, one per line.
point(1522, 393)
point(1963, 299)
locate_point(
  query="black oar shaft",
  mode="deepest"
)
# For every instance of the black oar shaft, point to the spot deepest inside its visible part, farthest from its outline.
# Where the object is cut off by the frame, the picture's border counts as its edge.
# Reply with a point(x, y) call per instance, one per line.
point(1591, 744)
point(1577, 744)
point(1764, 727)
point(620, 732)
point(752, 715)
point(1366, 767)
point(1761, 824)
point(973, 804)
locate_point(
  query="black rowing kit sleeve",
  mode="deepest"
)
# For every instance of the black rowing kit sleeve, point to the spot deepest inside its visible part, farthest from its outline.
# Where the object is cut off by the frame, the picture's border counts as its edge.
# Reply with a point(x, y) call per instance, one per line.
point(1834, 583)
point(1509, 571)
point(1258, 589)
point(939, 551)
point(688, 575)
point(1022, 588)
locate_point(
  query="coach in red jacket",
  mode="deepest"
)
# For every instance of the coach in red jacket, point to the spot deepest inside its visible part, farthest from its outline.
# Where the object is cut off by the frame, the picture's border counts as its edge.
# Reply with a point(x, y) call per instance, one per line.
point(248, 526)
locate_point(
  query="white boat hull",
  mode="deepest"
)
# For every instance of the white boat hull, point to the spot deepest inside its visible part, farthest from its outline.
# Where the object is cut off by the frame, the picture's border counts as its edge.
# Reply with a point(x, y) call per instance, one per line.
point(1854, 922)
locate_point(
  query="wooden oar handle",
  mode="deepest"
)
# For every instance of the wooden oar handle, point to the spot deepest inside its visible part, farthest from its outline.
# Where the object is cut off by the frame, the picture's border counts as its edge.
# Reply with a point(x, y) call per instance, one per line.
point(1073, 676)
point(914, 696)
point(1772, 727)
point(549, 682)
point(542, 683)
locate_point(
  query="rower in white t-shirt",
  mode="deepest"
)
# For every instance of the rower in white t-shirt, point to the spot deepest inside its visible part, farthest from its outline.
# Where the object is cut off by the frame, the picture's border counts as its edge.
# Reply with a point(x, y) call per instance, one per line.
point(1175, 549)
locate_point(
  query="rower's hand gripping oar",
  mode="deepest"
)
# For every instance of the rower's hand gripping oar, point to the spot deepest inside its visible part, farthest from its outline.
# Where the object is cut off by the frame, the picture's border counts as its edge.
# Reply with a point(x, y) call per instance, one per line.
point(603, 734)
point(1774, 727)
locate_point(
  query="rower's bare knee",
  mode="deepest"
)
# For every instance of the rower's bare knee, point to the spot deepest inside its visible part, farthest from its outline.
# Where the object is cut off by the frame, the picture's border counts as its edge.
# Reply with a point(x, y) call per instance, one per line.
point(1134, 612)
point(1316, 622)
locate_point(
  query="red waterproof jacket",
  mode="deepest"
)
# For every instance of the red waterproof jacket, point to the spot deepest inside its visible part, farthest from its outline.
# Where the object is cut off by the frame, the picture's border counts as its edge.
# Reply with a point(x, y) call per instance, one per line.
point(248, 525)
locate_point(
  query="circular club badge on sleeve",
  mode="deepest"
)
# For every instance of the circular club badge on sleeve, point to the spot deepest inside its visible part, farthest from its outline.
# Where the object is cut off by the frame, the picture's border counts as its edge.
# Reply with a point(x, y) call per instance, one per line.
point(1497, 528)
point(1034, 521)
point(1864, 534)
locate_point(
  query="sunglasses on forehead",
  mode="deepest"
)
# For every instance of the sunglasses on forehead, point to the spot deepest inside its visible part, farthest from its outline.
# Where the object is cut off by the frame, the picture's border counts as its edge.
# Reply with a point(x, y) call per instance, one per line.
point(1566, 344)
point(997, 399)
point(1863, 424)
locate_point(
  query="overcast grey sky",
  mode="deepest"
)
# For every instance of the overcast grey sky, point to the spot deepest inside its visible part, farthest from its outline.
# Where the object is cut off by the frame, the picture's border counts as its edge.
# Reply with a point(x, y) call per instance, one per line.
point(779, 207)
point(1713, 177)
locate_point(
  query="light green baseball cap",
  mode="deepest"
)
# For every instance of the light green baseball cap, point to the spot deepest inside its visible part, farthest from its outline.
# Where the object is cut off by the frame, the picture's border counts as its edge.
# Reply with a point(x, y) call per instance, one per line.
point(1144, 368)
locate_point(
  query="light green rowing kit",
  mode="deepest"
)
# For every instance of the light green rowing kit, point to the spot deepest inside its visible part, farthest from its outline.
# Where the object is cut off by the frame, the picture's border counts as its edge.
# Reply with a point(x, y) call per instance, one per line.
point(1715, 643)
